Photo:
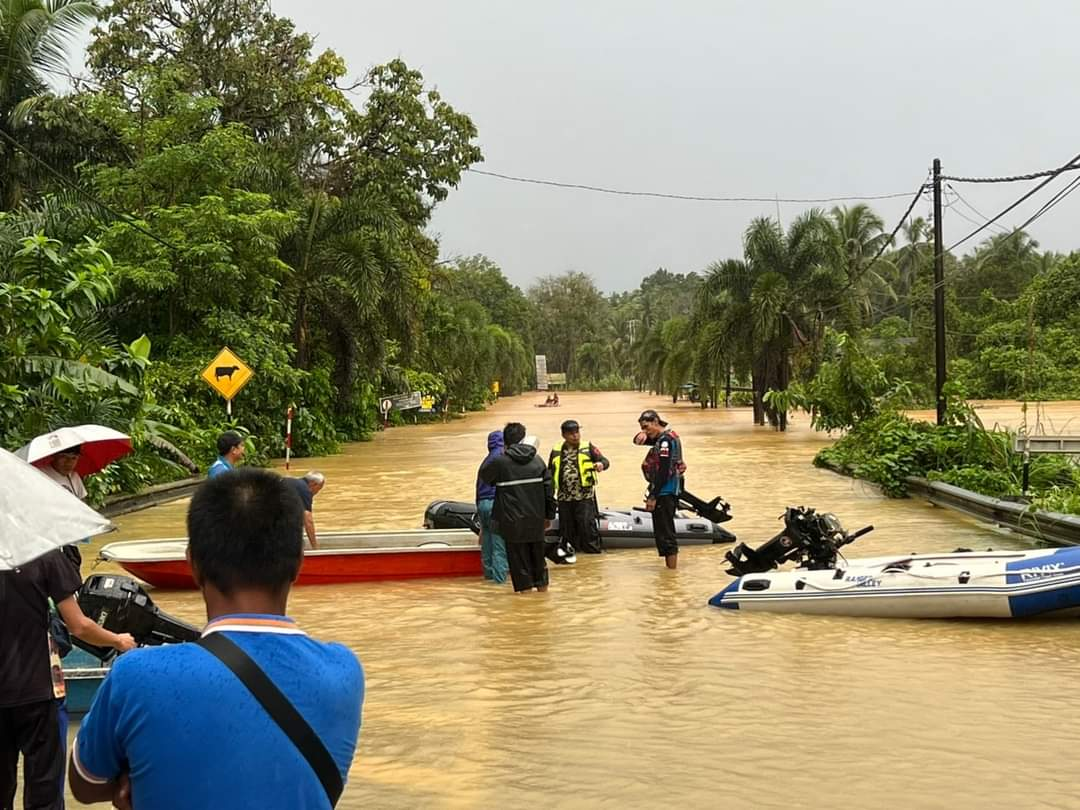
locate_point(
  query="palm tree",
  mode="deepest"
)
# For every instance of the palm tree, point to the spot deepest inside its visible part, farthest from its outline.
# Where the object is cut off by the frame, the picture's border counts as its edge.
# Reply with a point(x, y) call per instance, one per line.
point(33, 36)
point(909, 260)
point(721, 313)
point(792, 279)
point(860, 236)
point(357, 278)
point(594, 359)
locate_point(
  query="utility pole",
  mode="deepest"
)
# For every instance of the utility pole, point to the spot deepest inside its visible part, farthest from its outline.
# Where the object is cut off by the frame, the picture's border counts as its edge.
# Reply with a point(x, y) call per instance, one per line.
point(939, 298)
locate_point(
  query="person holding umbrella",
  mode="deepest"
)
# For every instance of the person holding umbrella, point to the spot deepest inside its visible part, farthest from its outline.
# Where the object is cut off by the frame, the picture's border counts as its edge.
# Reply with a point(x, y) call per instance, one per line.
point(39, 519)
point(67, 454)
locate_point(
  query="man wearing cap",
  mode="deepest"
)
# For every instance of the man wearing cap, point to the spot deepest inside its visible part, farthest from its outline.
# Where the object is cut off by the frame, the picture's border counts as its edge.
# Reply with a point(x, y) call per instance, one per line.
point(573, 469)
point(663, 468)
point(230, 447)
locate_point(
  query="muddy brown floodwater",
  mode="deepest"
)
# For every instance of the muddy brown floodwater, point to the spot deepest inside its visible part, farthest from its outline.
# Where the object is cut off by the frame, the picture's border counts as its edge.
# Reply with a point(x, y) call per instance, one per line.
point(621, 688)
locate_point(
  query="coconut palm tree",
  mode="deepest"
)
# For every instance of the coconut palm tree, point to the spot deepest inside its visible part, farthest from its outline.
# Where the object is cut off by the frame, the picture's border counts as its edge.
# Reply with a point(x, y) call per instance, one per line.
point(721, 314)
point(793, 278)
point(909, 261)
point(33, 36)
point(860, 236)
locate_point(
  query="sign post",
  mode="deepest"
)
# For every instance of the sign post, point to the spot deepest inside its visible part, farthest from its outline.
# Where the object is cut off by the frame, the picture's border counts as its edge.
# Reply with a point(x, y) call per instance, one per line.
point(227, 374)
point(541, 372)
point(288, 436)
point(385, 407)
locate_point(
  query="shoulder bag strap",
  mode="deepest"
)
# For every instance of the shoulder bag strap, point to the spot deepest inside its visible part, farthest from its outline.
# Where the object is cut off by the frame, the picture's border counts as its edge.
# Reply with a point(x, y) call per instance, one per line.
point(279, 708)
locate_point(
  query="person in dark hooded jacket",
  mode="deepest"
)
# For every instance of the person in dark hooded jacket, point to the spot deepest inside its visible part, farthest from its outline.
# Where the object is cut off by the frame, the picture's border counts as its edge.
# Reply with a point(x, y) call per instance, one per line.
point(524, 506)
point(492, 547)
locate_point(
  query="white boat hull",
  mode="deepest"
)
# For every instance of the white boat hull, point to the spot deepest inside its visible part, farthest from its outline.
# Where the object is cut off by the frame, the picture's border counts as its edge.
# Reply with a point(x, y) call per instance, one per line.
point(1005, 585)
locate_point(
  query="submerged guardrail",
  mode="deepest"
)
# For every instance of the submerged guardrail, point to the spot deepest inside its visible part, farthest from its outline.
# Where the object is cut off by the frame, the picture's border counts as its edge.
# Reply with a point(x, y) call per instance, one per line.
point(1050, 527)
point(151, 496)
point(1053, 528)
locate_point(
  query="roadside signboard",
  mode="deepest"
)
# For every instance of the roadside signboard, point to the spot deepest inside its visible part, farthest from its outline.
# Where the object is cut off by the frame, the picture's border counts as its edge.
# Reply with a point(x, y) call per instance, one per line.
point(556, 378)
point(227, 374)
point(427, 404)
point(401, 402)
point(541, 372)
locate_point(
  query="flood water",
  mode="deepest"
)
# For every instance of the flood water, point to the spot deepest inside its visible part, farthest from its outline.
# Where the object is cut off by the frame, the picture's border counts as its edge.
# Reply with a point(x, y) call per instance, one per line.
point(621, 688)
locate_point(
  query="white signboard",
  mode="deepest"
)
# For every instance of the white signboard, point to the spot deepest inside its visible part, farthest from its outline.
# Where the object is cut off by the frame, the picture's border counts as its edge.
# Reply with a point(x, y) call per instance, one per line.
point(402, 402)
point(541, 372)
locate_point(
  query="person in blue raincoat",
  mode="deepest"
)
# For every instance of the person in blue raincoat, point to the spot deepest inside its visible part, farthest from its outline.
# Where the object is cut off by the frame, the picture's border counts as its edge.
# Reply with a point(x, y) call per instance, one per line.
point(492, 547)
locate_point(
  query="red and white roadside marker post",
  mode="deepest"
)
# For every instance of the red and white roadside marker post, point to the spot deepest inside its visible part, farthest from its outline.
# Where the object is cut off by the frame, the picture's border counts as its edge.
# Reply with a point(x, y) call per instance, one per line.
point(288, 436)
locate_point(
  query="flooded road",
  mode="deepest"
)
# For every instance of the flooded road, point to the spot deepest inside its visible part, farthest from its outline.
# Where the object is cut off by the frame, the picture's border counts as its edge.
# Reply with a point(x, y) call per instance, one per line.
point(621, 688)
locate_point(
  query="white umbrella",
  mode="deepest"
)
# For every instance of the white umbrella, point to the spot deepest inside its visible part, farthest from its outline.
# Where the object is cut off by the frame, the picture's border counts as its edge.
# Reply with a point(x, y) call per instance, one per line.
point(100, 446)
point(37, 516)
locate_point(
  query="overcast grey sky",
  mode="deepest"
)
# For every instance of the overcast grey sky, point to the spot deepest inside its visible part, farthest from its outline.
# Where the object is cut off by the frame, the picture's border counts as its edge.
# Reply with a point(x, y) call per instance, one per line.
point(764, 97)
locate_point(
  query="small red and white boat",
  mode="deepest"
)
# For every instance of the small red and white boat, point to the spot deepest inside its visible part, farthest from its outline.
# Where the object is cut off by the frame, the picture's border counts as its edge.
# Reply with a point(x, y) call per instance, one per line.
point(343, 557)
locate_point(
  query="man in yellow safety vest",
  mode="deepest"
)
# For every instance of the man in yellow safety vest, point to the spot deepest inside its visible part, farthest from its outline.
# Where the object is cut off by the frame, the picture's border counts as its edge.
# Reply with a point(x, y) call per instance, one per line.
point(573, 468)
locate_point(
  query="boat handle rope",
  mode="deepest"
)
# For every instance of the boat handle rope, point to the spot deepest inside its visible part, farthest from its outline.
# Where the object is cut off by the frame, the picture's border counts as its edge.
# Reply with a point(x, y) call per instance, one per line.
point(804, 583)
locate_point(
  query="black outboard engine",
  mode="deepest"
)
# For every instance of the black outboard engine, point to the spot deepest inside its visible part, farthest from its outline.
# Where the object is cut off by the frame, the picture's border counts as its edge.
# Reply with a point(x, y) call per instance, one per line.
point(119, 604)
point(811, 539)
point(717, 510)
point(451, 515)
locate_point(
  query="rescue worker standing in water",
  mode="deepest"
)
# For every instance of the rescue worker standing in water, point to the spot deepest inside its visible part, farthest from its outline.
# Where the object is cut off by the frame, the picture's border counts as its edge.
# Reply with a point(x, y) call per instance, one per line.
point(663, 468)
point(573, 470)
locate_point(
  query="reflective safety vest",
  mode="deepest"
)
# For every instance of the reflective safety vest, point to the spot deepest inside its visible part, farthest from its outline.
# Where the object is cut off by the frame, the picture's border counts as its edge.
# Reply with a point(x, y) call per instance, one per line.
point(586, 467)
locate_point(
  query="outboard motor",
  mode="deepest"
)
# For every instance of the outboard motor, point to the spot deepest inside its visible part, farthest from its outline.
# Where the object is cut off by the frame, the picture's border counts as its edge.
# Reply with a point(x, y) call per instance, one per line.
point(811, 539)
point(452, 515)
point(717, 510)
point(119, 604)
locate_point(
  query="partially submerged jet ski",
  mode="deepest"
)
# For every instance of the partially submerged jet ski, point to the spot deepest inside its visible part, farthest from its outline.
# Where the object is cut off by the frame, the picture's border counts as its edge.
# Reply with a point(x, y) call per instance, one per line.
point(964, 583)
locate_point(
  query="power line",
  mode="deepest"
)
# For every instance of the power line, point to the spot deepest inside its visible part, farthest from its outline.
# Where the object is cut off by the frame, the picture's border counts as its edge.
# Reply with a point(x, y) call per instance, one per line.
point(1016, 177)
point(1071, 164)
point(973, 209)
point(690, 197)
point(71, 184)
point(884, 245)
point(1057, 198)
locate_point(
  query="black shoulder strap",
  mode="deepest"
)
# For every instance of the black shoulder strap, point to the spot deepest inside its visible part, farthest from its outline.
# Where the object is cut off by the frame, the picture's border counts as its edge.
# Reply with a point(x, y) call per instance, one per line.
point(279, 708)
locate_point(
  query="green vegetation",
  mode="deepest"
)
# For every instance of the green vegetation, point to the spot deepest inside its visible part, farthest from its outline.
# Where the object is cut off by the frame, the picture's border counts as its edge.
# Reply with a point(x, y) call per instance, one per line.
point(215, 181)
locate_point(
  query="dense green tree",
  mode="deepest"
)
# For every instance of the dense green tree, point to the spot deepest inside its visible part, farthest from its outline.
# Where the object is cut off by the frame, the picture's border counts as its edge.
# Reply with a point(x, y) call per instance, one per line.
point(570, 312)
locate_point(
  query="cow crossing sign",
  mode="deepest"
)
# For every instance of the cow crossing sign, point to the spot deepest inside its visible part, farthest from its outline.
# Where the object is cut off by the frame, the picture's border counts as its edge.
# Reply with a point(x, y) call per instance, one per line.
point(227, 374)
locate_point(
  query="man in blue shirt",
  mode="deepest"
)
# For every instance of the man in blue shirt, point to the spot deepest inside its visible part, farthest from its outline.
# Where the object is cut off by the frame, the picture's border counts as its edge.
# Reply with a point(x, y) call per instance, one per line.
point(230, 447)
point(174, 727)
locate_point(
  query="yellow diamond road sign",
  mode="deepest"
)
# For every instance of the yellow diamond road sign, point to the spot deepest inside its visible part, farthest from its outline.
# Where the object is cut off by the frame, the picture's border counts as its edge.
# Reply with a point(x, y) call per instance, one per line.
point(227, 374)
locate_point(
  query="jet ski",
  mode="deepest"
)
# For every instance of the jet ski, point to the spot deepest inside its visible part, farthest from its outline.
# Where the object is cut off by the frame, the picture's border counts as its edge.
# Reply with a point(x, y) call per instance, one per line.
point(619, 528)
point(959, 584)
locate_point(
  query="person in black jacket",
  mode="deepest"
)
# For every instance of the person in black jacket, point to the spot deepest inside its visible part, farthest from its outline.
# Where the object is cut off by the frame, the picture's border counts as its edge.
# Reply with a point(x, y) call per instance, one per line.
point(524, 506)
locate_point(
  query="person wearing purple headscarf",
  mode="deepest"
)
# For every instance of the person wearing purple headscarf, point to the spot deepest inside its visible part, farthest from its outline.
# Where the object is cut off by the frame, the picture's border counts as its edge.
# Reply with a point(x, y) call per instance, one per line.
point(492, 546)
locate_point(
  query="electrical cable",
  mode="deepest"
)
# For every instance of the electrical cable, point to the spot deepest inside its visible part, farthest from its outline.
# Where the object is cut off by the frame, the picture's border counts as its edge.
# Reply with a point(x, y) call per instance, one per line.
point(973, 209)
point(884, 245)
point(690, 197)
point(1071, 164)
